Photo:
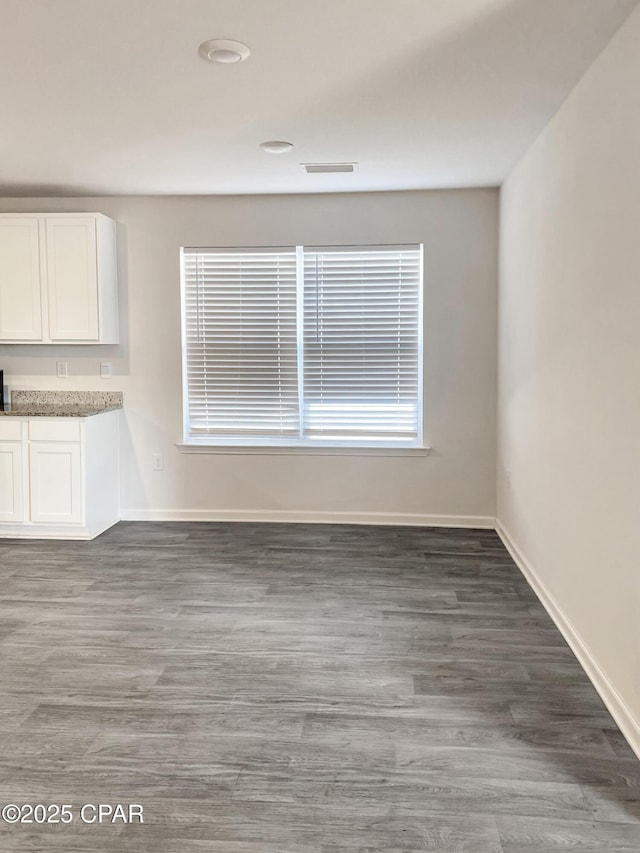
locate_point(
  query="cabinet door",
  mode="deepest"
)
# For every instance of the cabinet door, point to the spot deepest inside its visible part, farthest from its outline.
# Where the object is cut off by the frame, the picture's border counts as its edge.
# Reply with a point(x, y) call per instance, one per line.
point(20, 303)
point(72, 278)
point(55, 478)
point(11, 507)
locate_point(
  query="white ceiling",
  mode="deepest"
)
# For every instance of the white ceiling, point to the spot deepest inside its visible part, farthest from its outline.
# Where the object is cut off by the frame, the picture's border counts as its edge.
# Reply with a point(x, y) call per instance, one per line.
point(111, 97)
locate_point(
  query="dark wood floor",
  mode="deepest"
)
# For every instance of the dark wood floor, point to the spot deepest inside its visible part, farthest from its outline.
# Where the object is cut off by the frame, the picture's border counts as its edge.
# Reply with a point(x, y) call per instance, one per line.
point(300, 689)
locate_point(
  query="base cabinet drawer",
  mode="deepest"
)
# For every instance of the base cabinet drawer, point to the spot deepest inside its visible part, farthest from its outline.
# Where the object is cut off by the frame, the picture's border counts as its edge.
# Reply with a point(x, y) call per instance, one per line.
point(11, 478)
point(10, 430)
point(54, 429)
point(55, 480)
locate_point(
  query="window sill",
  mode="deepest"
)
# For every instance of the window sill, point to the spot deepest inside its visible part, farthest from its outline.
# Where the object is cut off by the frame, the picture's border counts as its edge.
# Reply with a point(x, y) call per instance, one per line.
point(284, 450)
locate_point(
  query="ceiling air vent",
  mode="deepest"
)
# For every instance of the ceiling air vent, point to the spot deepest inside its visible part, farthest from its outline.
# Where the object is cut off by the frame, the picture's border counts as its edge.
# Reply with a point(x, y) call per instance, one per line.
point(315, 168)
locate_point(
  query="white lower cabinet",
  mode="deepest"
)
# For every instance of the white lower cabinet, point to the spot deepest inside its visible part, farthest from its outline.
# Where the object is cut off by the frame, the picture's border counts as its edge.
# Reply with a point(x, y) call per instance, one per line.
point(59, 476)
point(11, 477)
point(55, 483)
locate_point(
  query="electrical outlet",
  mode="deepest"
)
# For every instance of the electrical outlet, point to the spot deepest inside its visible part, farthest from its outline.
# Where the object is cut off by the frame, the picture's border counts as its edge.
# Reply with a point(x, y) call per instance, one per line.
point(158, 462)
point(106, 368)
point(62, 369)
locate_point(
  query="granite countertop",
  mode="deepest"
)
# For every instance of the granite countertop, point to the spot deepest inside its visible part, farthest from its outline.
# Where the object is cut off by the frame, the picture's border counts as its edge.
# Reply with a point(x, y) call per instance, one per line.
point(62, 404)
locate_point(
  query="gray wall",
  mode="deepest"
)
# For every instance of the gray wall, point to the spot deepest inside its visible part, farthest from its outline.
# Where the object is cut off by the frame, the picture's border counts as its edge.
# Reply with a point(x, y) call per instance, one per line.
point(569, 407)
point(459, 232)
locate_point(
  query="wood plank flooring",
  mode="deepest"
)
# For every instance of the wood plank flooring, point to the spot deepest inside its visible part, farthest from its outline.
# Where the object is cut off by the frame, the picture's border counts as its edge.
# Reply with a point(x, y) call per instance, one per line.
point(300, 689)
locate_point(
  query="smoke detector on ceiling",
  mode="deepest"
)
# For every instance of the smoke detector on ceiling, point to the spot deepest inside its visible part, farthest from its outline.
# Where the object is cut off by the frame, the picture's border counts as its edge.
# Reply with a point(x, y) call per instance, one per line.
point(225, 51)
point(315, 168)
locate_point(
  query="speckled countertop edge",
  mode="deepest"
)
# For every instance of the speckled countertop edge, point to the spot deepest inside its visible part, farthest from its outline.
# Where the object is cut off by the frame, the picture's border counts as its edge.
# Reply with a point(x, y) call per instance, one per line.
point(62, 404)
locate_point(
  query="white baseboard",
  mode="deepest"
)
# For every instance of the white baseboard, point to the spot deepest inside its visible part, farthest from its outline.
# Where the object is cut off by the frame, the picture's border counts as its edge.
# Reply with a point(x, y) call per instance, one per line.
point(627, 722)
point(310, 517)
point(79, 532)
point(51, 531)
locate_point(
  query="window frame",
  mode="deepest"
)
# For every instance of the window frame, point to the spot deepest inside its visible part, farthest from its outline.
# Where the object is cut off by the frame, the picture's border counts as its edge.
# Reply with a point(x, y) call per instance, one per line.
point(301, 444)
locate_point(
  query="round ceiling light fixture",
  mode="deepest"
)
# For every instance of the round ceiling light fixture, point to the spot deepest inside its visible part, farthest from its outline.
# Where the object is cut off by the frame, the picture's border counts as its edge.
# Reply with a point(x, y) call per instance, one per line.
point(225, 51)
point(276, 146)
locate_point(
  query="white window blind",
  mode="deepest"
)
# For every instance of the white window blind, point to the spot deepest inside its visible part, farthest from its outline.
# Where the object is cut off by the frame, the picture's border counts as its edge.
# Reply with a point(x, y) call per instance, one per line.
point(361, 342)
point(240, 342)
point(314, 345)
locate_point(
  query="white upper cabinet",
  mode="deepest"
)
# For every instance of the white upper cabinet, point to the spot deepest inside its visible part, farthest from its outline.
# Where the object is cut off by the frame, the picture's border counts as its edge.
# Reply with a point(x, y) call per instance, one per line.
point(20, 293)
point(58, 279)
point(72, 279)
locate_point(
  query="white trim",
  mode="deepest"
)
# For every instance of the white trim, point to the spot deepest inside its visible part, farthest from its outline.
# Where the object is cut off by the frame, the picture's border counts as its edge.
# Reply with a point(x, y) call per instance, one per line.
point(421, 324)
point(627, 722)
point(183, 350)
point(310, 517)
point(299, 337)
point(300, 450)
point(80, 532)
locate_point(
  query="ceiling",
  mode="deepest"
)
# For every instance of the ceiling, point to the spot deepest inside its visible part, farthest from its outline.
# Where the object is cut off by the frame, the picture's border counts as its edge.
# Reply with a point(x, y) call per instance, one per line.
point(111, 97)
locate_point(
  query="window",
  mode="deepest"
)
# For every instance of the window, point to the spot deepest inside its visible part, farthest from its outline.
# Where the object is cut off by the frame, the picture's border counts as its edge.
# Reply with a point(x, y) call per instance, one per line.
point(303, 346)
